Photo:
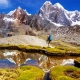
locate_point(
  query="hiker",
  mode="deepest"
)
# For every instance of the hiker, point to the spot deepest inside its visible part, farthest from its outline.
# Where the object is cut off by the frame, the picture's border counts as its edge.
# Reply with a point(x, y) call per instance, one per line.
point(49, 39)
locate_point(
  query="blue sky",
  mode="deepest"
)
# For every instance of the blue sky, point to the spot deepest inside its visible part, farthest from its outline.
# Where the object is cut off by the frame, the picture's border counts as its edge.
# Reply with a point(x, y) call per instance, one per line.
point(33, 6)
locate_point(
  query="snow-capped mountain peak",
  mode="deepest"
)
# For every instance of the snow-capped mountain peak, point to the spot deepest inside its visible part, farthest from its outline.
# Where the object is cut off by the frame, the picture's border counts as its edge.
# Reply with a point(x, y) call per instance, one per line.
point(6, 19)
point(46, 6)
point(47, 2)
point(12, 12)
point(58, 15)
point(19, 7)
point(54, 13)
point(58, 5)
point(18, 10)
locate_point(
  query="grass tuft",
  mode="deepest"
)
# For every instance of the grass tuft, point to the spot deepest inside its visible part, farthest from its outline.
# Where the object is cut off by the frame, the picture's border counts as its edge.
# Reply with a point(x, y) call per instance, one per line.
point(22, 73)
point(65, 73)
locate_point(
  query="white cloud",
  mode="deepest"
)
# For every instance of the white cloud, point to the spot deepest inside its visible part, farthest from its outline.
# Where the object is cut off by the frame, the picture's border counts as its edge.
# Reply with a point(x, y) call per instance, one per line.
point(4, 4)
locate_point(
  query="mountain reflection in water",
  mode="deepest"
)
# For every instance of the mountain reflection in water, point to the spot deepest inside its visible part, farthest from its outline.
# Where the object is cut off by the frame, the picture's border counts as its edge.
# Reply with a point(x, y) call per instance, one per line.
point(15, 58)
point(7, 64)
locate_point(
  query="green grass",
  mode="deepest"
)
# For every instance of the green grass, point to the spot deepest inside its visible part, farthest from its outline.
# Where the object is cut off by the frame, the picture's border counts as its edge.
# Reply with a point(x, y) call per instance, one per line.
point(30, 73)
point(58, 73)
point(22, 73)
point(63, 49)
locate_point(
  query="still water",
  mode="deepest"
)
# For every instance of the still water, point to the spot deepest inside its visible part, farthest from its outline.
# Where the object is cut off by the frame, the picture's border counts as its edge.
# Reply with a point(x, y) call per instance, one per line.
point(15, 58)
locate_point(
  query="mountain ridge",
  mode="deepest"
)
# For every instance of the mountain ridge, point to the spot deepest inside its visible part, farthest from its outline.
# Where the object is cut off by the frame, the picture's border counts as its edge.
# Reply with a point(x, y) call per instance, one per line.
point(51, 19)
point(55, 14)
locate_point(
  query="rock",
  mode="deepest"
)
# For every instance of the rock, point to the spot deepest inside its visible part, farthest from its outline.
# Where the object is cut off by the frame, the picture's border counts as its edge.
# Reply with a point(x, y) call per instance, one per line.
point(77, 62)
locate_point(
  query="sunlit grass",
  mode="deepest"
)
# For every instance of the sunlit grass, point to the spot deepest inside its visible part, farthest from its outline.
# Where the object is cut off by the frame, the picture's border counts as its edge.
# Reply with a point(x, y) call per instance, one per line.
point(30, 73)
point(22, 73)
point(58, 73)
point(62, 50)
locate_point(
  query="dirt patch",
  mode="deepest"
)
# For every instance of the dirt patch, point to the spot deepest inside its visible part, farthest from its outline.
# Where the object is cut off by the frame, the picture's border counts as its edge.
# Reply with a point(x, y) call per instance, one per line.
point(72, 74)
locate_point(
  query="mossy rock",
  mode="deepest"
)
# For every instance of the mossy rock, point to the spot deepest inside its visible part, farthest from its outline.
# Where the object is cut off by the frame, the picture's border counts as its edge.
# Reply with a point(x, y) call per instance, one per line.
point(77, 62)
point(65, 73)
point(22, 73)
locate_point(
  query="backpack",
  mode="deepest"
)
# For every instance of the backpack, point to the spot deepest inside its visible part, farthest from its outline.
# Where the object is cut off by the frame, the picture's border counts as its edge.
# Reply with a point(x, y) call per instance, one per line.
point(50, 37)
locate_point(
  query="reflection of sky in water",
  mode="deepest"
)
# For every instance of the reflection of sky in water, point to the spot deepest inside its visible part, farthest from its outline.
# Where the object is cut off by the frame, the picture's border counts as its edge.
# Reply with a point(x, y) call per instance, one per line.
point(16, 58)
point(10, 63)
point(30, 62)
point(7, 64)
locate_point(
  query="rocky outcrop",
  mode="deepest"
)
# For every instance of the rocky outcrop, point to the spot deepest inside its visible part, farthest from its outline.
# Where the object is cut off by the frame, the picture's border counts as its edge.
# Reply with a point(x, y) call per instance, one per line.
point(2, 23)
point(77, 62)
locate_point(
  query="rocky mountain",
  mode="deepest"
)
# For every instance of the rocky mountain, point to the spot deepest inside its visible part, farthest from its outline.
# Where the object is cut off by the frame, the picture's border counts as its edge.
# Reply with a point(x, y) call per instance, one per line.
point(15, 23)
point(54, 15)
point(51, 19)
point(59, 16)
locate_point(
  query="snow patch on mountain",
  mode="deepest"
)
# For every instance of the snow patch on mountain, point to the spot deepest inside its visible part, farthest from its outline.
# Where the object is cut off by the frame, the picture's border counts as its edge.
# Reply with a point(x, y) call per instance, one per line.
point(75, 23)
point(47, 2)
point(56, 24)
point(9, 19)
point(58, 5)
point(27, 12)
point(19, 8)
point(11, 12)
